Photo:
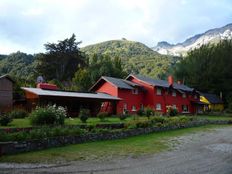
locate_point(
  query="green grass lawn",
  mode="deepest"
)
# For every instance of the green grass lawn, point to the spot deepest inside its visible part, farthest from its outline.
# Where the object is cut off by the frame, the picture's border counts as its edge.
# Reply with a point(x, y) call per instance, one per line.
point(103, 150)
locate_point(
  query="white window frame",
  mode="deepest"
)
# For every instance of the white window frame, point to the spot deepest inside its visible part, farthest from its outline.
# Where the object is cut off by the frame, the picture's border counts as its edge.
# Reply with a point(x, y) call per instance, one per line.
point(174, 93)
point(158, 107)
point(158, 91)
point(135, 91)
point(133, 108)
point(184, 95)
point(185, 107)
point(125, 106)
point(174, 106)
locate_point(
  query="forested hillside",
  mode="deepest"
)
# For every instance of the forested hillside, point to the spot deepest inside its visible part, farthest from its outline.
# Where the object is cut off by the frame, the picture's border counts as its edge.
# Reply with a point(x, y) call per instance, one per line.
point(136, 57)
point(19, 65)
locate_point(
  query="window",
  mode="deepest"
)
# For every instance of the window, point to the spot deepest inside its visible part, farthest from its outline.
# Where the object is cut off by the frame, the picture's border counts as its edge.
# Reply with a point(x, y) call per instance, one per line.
point(125, 106)
point(158, 106)
point(135, 91)
point(174, 106)
point(184, 95)
point(141, 107)
point(158, 91)
point(174, 93)
point(184, 108)
point(133, 108)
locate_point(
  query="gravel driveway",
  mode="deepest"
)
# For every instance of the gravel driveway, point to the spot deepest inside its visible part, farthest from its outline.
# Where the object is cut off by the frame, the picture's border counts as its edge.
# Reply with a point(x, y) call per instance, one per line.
point(198, 153)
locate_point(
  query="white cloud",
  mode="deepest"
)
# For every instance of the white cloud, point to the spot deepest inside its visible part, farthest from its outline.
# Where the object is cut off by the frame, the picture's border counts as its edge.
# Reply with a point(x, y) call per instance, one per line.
point(26, 25)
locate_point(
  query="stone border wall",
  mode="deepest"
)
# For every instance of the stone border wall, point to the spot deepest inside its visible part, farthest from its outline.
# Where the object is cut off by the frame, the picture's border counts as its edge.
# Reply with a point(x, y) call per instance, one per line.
point(32, 145)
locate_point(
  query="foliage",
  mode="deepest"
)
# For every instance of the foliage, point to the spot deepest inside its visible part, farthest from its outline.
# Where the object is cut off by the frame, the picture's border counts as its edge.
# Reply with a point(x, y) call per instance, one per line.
point(18, 65)
point(49, 115)
point(136, 57)
point(208, 69)
point(61, 60)
point(40, 133)
point(99, 65)
point(171, 111)
point(123, 116)
point(148, 112)
point(140, 112)
point(18, 113)
point(84, 115)
point(102, 115)
point(5, 119)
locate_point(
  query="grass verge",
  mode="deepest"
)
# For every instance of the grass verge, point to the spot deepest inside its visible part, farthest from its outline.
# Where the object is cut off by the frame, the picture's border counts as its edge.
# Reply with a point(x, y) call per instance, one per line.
point(104, 150)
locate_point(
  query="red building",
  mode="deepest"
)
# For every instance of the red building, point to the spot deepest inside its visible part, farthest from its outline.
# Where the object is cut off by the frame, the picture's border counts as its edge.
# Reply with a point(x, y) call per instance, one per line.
point(137, 92)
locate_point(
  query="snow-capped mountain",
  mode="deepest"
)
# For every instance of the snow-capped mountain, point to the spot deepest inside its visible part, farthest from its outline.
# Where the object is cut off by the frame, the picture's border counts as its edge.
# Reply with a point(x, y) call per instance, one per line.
point(210, 36)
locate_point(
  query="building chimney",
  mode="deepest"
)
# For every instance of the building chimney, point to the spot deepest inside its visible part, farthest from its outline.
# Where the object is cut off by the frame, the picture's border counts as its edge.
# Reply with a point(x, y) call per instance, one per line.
point(170, 80)
point(47, 86)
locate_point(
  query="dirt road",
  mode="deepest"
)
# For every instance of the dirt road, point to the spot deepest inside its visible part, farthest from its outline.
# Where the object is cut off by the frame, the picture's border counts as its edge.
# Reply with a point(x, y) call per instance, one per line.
point(199, 153)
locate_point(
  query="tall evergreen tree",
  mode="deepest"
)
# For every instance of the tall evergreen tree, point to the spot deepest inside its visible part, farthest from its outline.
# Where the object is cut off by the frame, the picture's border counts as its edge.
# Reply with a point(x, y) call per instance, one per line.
point(61, 60)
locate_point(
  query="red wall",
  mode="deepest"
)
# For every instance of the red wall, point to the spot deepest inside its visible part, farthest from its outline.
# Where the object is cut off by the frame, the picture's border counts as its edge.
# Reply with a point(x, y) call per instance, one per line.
point(108, 88)
point(130, 100)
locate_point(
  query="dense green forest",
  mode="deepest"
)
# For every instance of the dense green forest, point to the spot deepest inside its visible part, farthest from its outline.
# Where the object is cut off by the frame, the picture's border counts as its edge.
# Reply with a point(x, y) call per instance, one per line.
point(208, 69)
point(136, 57)
point(19, 65)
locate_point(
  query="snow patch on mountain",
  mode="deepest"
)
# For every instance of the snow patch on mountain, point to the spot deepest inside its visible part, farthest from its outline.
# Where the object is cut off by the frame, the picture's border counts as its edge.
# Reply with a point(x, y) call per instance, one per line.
point(209, 37)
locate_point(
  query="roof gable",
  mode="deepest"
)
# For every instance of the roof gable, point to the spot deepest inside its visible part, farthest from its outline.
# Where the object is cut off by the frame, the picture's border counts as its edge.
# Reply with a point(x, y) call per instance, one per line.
point(118, 83)
point(7, 77)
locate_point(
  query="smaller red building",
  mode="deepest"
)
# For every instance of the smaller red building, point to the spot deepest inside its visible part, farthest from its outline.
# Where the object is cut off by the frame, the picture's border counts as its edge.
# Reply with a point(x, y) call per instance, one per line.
point(137, 92)
point(132, 94)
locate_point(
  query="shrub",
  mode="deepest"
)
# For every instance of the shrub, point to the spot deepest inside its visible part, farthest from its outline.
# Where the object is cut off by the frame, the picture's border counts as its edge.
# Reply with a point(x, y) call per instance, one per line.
point(123, 116)
point(84, 115)
point(102, 115)
point(5, 119)
point(49, 115)
point(172, 111)
point(148, 112)
point(159, 119)
point(18, 113)
point(140, 112)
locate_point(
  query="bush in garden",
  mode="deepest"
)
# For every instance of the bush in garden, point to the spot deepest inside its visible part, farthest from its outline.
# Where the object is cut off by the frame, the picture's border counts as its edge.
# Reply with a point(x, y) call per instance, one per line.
point(140, 112)
point(148, 112)
point(18, 113)
point(84, 115)
point(102, 115)
point(159, 119)
point(49, 115)
point(172, 111)
point(5, 119)
point(123, 116)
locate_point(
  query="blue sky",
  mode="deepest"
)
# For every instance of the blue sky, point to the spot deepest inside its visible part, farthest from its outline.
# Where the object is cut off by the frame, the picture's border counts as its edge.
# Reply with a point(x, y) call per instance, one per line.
point(26, 25)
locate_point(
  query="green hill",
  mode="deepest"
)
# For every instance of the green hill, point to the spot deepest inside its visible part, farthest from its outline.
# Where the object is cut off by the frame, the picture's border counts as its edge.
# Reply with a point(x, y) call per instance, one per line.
point(136, 57)
point(18, 65)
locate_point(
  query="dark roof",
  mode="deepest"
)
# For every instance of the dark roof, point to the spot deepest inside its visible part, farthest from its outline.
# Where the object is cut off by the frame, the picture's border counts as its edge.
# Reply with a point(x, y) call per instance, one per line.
point(8, 77)
point(212, 98)
point(120, 83)
point(162, 83)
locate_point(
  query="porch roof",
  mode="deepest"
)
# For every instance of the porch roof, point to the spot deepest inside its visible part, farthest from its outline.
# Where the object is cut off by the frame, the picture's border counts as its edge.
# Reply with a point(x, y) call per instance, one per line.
point(83, 95)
